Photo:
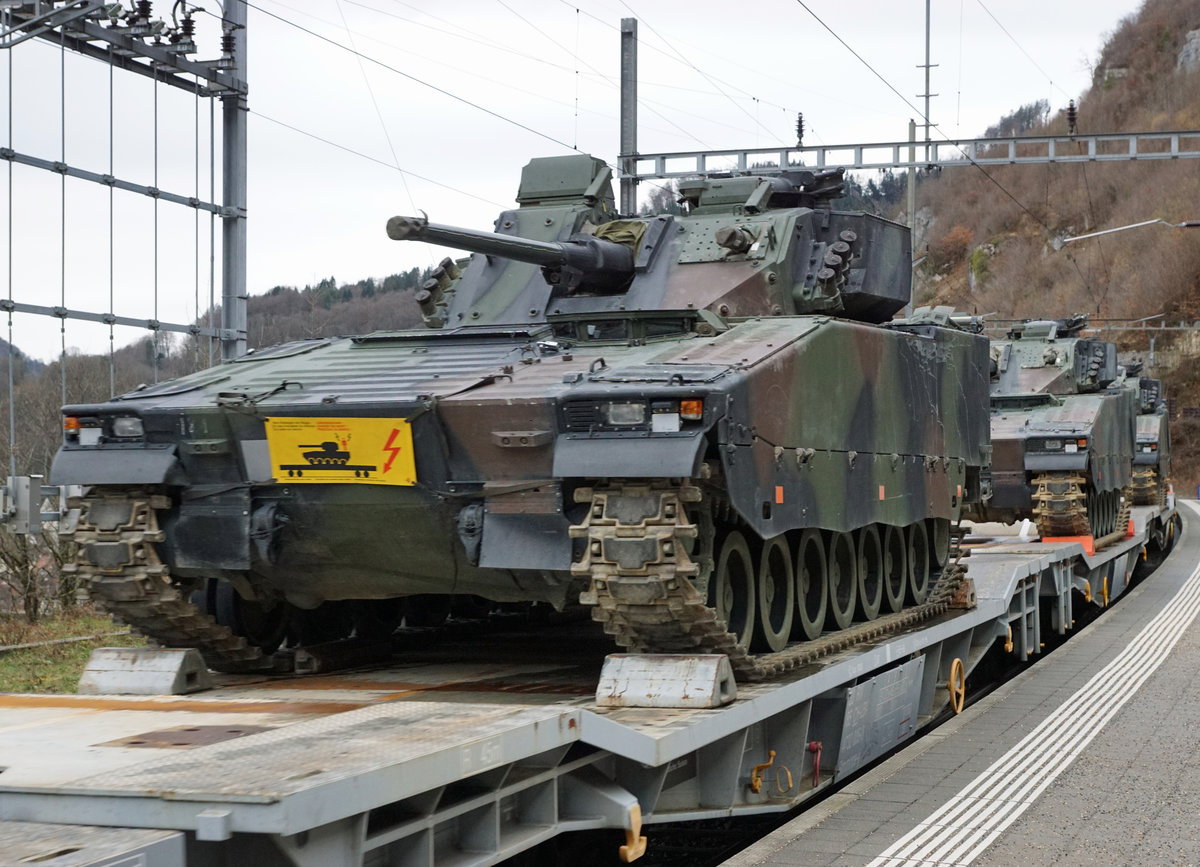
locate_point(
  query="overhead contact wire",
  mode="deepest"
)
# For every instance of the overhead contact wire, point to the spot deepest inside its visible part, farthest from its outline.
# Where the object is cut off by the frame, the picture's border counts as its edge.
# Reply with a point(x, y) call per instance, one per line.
point(916, 111)
point(384, 163)
point(379, 114)
point(697, 70)
point(1021, 48)
point(411, 77)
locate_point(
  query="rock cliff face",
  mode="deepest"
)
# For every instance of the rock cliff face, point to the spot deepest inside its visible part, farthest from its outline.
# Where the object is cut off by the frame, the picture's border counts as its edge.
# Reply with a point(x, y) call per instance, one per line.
point(1189, 55)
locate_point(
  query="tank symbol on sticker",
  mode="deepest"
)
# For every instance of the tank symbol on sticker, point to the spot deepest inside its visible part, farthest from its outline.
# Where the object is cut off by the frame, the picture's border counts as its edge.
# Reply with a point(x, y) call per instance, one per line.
point(328, 456)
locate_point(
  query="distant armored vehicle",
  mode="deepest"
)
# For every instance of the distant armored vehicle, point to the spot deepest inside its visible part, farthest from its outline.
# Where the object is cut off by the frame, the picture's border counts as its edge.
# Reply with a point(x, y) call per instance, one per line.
point(701, 426)
point(1152, 457)
point(1062, 437)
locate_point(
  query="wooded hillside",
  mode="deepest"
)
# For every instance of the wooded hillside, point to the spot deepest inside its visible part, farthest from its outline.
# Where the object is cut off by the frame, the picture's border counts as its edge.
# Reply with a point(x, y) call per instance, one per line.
point(990, 237)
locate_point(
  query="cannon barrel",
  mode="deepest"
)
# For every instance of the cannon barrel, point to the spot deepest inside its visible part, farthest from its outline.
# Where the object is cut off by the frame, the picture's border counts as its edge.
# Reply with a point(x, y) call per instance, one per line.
point(583, 262)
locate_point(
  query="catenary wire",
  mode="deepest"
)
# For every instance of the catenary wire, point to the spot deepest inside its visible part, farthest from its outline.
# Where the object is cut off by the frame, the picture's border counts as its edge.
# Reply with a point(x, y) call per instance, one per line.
point(376, 160)
point(403, 74)
point(410, 77)
point(596, 71)
point(1022, 48)
point(375, 103)
point(695, 68)
point(903, 98)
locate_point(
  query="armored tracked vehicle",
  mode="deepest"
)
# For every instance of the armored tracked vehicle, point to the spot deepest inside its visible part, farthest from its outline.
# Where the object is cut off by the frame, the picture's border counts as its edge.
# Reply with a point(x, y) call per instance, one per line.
point(702, 426)
point(1152, 454)
point(1062, 432)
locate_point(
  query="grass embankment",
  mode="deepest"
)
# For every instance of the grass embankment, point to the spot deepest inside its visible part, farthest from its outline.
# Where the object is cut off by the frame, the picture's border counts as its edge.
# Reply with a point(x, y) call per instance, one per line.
point(54, 667)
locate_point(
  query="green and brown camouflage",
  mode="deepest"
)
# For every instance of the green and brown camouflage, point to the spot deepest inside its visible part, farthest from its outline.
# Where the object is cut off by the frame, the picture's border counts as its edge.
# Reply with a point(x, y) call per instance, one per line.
point(1062, 431)
point(684, 421)
point(1152, 450)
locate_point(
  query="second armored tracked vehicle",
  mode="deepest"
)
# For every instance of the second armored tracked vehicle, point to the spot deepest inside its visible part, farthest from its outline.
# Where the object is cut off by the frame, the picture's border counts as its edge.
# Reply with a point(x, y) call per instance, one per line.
point(1152, 455)
point(1062, 436)
point(701, 426)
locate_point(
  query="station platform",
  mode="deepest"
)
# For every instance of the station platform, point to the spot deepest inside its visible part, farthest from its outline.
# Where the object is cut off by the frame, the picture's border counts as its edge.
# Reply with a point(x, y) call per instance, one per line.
point(1091, 756)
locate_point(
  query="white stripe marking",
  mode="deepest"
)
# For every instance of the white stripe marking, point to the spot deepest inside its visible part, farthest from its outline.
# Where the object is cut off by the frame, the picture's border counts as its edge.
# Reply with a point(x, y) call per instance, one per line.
point(962, 828)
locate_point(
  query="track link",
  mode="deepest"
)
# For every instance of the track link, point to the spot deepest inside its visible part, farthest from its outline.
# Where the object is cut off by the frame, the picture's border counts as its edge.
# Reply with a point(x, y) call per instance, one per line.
point(121, 571)
point(1149, 488)
point(1060, 505)
point(637, 554)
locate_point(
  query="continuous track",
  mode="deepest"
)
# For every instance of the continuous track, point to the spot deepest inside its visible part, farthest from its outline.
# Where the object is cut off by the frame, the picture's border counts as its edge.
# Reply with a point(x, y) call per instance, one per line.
point(1064, 506)
point(643, 556)
point(638, 536)
point(121, 570)
point(1149, 488)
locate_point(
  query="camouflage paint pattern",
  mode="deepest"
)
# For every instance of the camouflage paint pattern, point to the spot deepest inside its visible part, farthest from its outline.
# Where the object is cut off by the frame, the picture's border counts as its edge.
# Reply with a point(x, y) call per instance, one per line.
point(1057, 404)
point(549, 367)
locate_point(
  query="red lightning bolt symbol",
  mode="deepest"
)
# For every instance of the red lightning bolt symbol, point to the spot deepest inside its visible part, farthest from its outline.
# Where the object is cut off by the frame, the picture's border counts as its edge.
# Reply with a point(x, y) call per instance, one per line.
point(388, 447)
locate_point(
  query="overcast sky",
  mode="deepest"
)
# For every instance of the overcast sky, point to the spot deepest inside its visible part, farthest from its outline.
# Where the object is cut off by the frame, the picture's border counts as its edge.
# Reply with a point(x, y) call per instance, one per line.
point(449, 100)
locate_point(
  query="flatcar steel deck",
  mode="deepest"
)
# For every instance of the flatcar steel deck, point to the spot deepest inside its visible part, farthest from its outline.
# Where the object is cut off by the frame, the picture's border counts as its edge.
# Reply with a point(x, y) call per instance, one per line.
point(475, 749)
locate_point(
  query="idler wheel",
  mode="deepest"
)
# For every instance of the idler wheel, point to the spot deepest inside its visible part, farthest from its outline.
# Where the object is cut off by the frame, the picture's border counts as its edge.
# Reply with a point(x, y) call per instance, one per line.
point(918, 562)
point(870, 572)
point(895, 567)
point(843, 580)
point(732, 591)
point(776, 595)
point(812, 583)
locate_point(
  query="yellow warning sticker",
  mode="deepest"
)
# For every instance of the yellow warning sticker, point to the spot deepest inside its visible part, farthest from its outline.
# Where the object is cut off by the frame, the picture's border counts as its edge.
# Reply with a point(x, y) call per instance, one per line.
point(372, 451)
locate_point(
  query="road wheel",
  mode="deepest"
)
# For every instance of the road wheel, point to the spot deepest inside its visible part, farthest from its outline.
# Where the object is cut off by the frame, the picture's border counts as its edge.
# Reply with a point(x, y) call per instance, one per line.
point(870, 572)
point(843, 580)
point(731, 590)
point(812, 583)
point(918, 562)
point(895, 567)
point(776, 595)
point(939, 542)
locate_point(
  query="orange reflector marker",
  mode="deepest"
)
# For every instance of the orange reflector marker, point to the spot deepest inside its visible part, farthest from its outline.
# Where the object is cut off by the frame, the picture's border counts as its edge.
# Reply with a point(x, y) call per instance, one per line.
point(960, 492)
point(779, 494)
point(71, 423)
point(693, 410)
point(881, 492)
point(1088, 542)
point(1129, 530)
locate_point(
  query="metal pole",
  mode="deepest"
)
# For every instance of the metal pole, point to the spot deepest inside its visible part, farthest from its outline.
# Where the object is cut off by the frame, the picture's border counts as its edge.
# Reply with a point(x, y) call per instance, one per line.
point(628, 115)
point(927, 81)
point(912, 200)
point(233, 226)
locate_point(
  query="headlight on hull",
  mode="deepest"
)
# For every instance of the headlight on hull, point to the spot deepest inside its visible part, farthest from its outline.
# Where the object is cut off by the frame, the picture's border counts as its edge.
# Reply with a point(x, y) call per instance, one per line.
point(631, 415)
point(625, 414)
point(128, 427)
point(93, 430)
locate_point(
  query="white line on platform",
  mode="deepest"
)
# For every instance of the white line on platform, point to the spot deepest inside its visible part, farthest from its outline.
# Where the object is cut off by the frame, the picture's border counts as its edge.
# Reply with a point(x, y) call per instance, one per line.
point(959, 831)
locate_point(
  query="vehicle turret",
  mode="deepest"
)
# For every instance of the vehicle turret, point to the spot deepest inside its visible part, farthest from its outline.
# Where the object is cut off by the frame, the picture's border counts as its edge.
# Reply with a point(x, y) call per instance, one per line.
point(1049, 357)
point(747, 246)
